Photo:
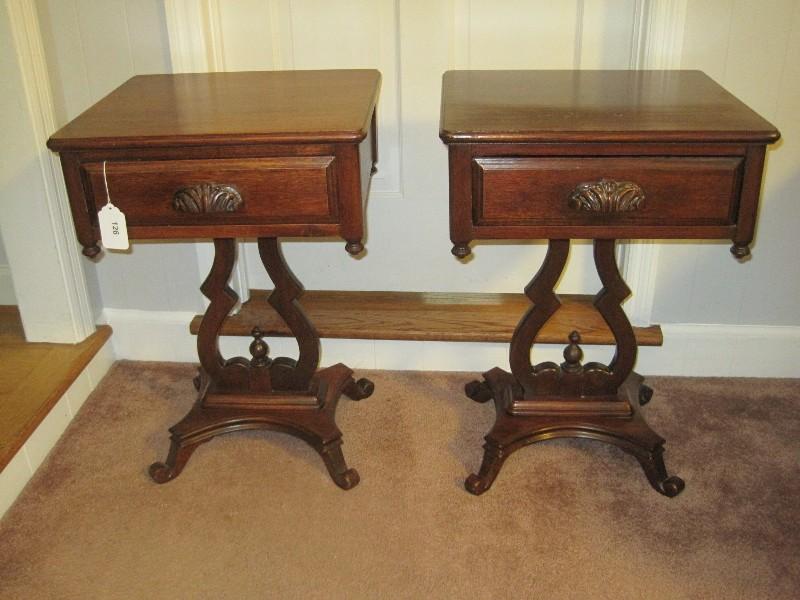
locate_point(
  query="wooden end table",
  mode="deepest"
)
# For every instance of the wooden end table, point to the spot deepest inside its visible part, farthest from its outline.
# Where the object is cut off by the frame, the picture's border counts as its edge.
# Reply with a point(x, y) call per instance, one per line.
point(225, 156)
point(605, 155)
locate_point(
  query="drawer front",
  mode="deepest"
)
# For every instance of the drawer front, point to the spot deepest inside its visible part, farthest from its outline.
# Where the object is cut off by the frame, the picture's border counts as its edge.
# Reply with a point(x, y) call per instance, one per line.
point(668, 191)
point(295, 189)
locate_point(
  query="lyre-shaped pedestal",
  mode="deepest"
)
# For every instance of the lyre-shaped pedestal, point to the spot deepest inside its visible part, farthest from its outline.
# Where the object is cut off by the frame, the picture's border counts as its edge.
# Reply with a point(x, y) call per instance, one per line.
point(546, 401)
point(281, 394)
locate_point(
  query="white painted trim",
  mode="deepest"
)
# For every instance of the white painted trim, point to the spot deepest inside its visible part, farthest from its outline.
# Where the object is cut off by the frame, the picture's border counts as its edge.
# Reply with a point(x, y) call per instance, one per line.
point(196, 45)
point(23, 465)
point(280, 20)
point(656, 43)
point(459, 34)
point(7, 295)
point(661, 34)
point(688, 350)
point(187, 35)
point(216, 50)
point(24, 24)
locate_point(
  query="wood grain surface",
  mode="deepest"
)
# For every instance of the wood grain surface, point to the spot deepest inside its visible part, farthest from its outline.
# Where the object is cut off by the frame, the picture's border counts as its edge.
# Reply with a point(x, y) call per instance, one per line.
point(428, 316)
point(220, 108)
point(597, 106)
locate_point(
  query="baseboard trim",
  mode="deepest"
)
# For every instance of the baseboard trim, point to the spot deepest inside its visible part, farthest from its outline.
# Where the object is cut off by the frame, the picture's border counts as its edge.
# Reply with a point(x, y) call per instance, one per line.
point(688, 350)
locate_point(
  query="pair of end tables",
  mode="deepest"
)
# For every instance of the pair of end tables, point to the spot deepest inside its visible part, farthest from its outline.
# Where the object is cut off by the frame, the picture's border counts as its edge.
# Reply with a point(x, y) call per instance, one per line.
point(554, 155)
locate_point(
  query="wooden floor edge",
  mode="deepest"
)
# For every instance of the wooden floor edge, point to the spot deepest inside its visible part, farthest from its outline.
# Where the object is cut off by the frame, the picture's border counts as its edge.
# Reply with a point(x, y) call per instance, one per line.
point(88, 349)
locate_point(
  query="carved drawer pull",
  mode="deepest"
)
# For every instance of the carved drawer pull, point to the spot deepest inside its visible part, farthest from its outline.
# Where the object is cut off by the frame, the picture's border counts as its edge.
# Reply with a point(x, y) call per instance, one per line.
point(607, 196)
point(207, 198)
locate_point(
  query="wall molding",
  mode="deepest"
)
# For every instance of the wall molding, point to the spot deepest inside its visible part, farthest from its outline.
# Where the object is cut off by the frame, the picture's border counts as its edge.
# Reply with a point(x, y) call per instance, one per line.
point(68, 272)
point(656, 43)
point(194, 28)
point(688, 350)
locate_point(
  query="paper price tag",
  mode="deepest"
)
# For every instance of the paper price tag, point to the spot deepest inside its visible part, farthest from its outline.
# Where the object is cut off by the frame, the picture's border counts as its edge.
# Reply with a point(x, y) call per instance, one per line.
point(113, 229)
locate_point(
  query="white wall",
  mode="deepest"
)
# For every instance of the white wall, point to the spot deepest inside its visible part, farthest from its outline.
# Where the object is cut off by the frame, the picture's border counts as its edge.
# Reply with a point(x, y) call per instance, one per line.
point(413, 42)
point(92, 47)
point(752, 49)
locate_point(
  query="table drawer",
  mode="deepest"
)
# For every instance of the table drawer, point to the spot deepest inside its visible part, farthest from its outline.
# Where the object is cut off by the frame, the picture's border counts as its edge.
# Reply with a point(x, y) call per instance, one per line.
point(293, 189)
point(664, 191)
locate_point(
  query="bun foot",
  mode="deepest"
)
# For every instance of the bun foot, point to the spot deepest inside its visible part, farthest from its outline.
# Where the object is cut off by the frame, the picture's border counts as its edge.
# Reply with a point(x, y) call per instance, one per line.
point(645, 394)
point(672, 486)
point(478, 391)
point(358, 390)
point(461, 251)
point(354, 247)
point(161, 473)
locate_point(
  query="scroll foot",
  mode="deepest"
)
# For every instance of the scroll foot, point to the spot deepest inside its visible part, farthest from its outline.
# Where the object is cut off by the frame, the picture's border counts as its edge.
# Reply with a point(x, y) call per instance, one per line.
point(493, 459)
point(645, 394)
point(358, 390)
point(478, 391)
point(162, 472)
point(653, 465)
point(333, 458)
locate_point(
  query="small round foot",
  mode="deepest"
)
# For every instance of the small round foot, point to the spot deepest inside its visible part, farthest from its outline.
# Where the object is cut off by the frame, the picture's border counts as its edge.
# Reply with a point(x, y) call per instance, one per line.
point(91, 251)
point(645, 394)
point(358, 390)
point(672, 486)
point(461, 250)
point(740, 251)
point(478, 391)
point(354, 247)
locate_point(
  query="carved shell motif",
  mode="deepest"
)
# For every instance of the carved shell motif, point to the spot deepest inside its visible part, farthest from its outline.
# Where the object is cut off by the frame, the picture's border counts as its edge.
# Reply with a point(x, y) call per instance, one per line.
point(607, 195)
point(207, 198)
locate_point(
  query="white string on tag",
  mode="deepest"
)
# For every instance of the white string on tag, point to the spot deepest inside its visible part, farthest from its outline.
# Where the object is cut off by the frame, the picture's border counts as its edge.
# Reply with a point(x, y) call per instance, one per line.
point(113, 227)
point(105, 181)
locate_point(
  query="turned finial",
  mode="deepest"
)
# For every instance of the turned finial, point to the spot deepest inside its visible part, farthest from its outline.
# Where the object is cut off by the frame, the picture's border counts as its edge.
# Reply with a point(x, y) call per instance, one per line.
point(259, 349)
point(572, 354)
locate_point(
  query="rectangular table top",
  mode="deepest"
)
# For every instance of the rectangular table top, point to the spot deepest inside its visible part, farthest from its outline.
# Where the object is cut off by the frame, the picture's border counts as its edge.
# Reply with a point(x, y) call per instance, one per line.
point(595, 106)
point(228, 108)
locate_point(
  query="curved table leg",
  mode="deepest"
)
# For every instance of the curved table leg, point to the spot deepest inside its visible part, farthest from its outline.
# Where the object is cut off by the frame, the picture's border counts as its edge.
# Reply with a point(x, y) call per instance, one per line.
point(539, 402)
point(280, 394)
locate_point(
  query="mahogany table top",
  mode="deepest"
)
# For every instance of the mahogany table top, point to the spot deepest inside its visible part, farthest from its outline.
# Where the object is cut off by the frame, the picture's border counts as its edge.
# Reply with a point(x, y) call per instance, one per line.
point(589, 106)
point(228, 108)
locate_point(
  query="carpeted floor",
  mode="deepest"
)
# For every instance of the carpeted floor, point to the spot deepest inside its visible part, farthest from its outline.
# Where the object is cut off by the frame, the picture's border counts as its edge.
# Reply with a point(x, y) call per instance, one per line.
point(254, 515)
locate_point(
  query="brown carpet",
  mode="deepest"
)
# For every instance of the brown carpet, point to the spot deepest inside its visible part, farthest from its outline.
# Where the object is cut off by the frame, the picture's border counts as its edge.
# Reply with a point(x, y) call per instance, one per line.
point(254, 515)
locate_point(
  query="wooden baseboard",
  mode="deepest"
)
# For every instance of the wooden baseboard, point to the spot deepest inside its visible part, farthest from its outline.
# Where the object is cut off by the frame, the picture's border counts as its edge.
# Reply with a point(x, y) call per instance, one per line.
point(428, 316)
